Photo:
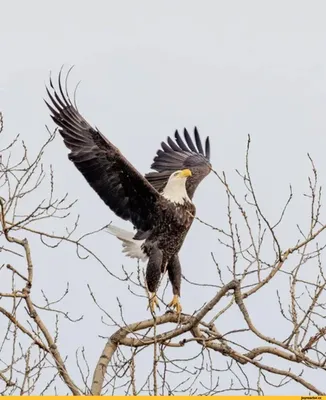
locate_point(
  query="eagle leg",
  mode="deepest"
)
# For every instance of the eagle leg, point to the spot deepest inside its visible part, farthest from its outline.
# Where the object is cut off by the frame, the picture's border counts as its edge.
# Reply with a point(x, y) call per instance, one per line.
point(153, 275)
point(175, 303)
point(174, 270)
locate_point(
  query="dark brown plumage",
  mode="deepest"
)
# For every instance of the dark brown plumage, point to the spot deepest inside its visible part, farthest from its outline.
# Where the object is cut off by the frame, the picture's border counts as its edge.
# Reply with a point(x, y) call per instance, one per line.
point(158, 205)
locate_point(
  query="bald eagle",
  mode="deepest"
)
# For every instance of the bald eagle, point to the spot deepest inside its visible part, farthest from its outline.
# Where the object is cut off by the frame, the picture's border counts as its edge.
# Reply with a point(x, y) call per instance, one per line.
point(159, 204)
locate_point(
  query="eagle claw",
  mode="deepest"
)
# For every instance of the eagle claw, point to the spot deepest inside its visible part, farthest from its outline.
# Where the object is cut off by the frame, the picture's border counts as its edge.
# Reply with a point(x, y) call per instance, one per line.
point(153, 302)
point(175, 303)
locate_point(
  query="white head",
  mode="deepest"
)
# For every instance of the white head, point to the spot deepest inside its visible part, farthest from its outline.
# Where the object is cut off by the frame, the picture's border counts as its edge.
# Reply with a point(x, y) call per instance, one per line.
point(175, 189)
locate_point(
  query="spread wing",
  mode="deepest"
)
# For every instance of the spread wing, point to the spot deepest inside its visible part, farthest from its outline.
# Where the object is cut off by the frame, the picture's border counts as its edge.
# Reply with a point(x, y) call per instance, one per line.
point(179, 154)
point(107, 171)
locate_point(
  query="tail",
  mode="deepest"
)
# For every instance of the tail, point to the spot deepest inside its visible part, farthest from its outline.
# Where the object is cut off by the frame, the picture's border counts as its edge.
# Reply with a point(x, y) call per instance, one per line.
point(131, 246)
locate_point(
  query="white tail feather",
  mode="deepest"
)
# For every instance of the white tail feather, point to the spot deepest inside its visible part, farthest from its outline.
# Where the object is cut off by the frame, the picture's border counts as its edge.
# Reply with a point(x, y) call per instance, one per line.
point(131, 247)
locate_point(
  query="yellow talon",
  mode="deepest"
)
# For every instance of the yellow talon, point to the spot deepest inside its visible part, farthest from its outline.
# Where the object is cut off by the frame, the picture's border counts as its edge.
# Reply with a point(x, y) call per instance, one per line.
point(175, 303)
point(153, 302)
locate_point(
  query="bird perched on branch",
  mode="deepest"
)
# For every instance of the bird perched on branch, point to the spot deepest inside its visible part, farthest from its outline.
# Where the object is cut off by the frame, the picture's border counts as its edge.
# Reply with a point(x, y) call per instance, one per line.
point(159, 204)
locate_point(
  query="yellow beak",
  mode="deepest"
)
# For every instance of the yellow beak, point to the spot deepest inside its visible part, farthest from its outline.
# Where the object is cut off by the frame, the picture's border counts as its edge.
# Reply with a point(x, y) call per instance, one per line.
point(185, 173)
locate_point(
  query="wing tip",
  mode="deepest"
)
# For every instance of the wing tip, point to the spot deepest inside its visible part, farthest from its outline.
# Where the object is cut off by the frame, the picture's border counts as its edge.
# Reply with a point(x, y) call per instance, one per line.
point(188, 144)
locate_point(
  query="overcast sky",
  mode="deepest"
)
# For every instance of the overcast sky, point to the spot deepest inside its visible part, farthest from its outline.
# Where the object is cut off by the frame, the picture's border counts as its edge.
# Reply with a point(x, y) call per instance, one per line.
point(150, 67)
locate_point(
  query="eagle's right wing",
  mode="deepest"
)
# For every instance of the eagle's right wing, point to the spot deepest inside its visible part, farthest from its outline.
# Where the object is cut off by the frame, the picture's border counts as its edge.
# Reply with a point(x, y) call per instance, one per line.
point(179, 154)
point(107, 171)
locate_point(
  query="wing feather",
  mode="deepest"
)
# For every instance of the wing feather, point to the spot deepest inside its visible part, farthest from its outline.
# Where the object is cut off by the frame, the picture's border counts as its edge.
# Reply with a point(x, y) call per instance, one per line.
point(173, 146)
point(181, 154)
point(106, 170)
point(189, 141)
point(166, 148)
point(180, 142)
point(207, 149)
point(198, 142)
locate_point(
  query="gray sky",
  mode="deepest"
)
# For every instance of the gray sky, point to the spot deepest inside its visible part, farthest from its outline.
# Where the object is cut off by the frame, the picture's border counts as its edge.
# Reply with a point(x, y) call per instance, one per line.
point(149, 67)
